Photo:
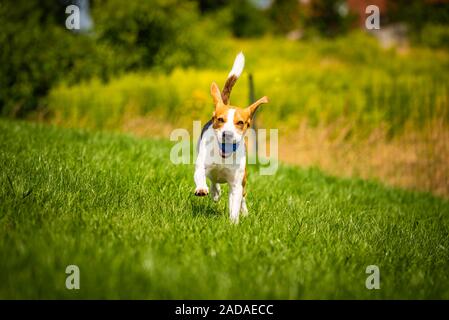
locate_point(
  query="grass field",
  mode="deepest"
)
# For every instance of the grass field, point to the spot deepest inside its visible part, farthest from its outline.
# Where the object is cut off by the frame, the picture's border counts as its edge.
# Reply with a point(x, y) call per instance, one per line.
point(115, 206)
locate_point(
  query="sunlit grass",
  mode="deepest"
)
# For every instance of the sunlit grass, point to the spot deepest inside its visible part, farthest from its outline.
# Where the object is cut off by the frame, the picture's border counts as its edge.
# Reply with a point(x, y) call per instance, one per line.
point(115, 206)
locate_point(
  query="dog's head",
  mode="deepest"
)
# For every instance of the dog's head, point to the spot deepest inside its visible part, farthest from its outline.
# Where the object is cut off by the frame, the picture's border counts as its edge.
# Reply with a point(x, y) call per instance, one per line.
point(229, 122)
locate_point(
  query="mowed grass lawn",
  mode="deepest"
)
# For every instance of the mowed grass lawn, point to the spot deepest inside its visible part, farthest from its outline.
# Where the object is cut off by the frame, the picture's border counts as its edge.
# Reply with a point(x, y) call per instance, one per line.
point(115, 206)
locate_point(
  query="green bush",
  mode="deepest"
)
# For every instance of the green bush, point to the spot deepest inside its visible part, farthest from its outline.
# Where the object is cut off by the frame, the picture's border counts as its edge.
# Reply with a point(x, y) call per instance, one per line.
point(418, 13)
point(37, 51)
point(434, 36)
point(155, 32)
point(286, 15)
point(247, 20)
point(326, 18)
point(428, 21)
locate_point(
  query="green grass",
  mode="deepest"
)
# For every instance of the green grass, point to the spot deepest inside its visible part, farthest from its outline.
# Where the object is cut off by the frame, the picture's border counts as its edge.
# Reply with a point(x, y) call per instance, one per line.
point(115, 206)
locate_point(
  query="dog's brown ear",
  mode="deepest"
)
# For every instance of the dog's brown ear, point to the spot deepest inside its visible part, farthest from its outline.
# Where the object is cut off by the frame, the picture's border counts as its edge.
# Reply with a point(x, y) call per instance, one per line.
point(252, 108)
point(215, 92)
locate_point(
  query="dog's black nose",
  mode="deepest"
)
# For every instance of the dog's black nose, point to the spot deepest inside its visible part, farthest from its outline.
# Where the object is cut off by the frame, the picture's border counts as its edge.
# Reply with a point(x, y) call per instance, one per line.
point(227, 135)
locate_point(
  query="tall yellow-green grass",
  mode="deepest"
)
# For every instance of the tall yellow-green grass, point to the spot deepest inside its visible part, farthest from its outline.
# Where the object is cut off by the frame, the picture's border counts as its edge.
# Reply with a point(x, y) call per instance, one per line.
point(351, 78)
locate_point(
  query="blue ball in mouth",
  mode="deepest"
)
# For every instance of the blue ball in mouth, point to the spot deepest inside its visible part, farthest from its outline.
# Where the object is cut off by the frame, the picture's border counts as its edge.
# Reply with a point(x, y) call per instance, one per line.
point(227, 148)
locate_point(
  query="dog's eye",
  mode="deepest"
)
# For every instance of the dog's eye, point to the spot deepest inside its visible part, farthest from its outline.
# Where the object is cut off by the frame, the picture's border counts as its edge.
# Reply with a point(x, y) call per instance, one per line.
point(240, 123)
point(220, 120)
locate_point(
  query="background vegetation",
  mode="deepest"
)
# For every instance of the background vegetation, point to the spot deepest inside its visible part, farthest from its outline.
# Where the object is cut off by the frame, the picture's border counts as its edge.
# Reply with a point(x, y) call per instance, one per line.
point(347, 102)
point(350, 78)
point(38, 52)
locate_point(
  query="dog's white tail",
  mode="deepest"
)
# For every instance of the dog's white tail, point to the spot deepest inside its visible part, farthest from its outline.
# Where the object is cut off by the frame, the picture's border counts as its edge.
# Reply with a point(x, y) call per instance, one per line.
point(239, 64)
point(236, 71)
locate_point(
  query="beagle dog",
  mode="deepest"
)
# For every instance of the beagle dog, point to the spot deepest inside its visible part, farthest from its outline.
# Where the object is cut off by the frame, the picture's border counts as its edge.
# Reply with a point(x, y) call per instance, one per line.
point(222, 147)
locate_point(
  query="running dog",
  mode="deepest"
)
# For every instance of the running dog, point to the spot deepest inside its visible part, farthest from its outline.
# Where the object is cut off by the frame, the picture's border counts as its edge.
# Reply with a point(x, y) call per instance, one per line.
point(222, 148)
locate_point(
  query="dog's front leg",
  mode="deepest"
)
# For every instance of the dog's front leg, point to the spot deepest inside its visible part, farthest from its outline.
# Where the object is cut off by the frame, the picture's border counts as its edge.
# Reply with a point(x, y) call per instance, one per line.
point(235, 200)
point(200, 173)
point(200, 180)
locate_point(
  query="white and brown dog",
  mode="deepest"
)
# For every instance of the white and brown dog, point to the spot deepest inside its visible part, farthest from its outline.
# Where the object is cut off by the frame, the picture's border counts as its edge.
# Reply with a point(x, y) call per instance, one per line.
point(222, 148)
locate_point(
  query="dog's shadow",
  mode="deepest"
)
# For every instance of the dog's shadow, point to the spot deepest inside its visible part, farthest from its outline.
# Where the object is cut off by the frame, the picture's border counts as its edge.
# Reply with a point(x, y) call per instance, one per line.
point(204, 206)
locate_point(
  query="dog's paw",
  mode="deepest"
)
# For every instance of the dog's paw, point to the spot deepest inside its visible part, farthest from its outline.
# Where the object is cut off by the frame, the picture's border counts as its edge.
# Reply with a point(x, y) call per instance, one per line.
point(216, 197)
point(201, 192)
point(215, 192)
